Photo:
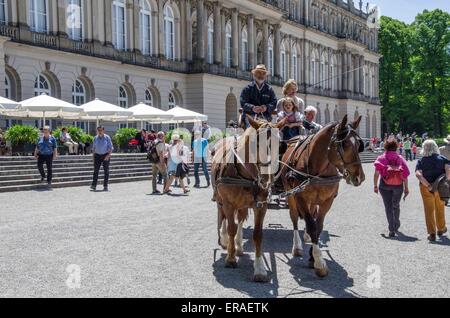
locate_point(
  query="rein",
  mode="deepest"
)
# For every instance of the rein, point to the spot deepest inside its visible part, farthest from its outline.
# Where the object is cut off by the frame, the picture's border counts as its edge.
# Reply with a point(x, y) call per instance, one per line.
point(307, 179)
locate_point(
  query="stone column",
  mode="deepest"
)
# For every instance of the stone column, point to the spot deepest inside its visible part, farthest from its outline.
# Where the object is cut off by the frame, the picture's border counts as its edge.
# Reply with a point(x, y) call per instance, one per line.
point(288, 59)
point(276, 55)
point(251, 41)
point(3, 40)
point(235, 35)
point(62, 16)
point(306, 62)
point(188, 13)
point(131, 45)
point(100, 18)
point(160, 20)
point(183, 30)
point(361, 75)
point(356, 74)
point(14, 17)
point(54, 27)
point(344, 71)
point(349, 70)
point(217, 33)
point(22, 13)
point(266, 43)
point(240, 61)
point(201, 29)
point(88, 20)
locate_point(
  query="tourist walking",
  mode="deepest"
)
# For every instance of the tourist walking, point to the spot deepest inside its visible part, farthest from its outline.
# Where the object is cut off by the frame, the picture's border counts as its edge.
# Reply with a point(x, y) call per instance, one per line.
point(258, 99)
point(45, 152)
point(177, 166)
point(102, 149)
point(157, 156)
point(445, 150)
point(407, 146)
point(200, 150)
point(414, 151)
point(394, 172)
point(431, 167)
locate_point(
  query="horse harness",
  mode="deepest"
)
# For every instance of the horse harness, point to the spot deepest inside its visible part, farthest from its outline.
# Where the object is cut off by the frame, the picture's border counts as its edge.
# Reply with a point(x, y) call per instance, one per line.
point(255, 183)
point(307, 179)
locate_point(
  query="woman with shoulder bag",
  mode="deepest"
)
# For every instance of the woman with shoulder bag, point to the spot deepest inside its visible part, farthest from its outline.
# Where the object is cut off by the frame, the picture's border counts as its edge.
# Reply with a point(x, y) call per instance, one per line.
point(177, 164)
point(394, 172)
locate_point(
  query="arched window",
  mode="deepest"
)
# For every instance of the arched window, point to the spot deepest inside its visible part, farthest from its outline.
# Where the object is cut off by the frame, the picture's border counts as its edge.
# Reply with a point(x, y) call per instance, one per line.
point(314, 72)
point(78, 93)
point(38, 16)
point(334, 78)
point(228, 46)
point(74, 19)
point(7, 87)
point(270, 59)
point(145, 26)
point(169, 33)
point(119, 25)
point(122, 97)
point(210, 58)
point(324, 70)
point(3, 12)
point(148, 98)
point(244, 48)
point(283, 61)
point(294, 64)
point(42, 86)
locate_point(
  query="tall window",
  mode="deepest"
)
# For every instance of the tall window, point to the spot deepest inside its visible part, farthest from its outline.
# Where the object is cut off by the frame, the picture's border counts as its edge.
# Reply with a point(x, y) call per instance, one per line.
point(314, 69)
point(3, 12)
point(169, 33)
point(228, 46)
point(148, 98)
point(74, 19)
point(78, 93)
point(7, 88)
point(294, 64)
point(41, 86)
point(244, 48)
point(38, 15)
point(145, 20)
point(283, 61)
point(334, 74)
point(324, 71)
point(123, 97)
point(171, 103)
point(119, 24)
point(270, 59)
point(210, 57)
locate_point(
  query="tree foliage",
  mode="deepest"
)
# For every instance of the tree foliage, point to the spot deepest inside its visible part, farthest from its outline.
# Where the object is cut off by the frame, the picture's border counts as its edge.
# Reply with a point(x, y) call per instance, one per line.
point(415, 73)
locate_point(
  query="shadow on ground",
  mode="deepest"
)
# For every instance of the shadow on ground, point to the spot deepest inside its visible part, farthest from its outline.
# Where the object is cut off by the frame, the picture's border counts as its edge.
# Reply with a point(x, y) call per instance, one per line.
point(277, 249)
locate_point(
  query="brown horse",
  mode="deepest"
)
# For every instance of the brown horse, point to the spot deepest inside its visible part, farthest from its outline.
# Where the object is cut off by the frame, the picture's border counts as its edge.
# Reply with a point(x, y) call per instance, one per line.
point(310, 175)
point(240, 184)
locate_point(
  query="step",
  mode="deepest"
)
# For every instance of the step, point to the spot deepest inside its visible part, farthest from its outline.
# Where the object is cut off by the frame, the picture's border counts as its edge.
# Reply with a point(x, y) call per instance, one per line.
point(77, 157)
point(56, 169)
point(73, 160)
point(58, 164)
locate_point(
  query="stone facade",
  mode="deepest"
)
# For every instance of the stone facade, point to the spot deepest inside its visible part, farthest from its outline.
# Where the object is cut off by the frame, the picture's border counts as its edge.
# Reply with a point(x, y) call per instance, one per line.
point(193, 53)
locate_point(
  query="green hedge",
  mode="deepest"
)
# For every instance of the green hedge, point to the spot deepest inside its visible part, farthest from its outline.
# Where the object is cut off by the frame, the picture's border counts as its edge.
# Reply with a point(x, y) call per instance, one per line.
point(21, 135)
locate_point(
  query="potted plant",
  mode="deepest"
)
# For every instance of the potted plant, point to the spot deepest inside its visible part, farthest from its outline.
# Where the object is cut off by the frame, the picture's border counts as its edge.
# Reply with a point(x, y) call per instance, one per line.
point(23, 138)
point(123, 136)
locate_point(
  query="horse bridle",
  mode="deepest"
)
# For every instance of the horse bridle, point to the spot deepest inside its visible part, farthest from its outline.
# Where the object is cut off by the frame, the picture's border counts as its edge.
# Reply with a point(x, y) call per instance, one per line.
point(340, 148)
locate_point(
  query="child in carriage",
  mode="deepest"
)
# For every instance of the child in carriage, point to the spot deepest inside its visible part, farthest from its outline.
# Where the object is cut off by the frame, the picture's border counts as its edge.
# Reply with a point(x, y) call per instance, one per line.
point(290, 111)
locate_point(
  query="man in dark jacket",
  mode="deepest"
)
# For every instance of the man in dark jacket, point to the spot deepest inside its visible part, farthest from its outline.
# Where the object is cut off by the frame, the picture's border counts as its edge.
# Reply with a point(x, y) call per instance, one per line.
point(258, 99)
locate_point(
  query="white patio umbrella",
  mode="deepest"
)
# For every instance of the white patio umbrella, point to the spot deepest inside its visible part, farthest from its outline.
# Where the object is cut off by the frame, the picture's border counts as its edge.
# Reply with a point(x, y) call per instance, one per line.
point(143, 112)
point(7, 104)
point(44, 106)
point(181, 114)
point(98, 109)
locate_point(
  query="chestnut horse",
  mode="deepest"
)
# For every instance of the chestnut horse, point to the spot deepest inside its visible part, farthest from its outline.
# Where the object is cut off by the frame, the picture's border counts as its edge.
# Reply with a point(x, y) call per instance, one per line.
point(239, 185)
point(311, 173)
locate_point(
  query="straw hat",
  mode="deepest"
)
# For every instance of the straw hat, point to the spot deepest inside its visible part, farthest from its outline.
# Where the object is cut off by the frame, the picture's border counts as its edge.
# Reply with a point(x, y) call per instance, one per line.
point(175, 137)
point(260, 68)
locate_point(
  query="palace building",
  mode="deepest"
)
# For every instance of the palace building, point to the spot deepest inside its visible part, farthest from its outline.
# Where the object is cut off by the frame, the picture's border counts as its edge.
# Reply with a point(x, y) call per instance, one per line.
point(193, 53)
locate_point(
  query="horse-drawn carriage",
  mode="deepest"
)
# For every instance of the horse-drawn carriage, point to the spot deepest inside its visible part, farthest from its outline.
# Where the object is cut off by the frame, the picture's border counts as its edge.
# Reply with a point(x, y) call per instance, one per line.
point(306, 182)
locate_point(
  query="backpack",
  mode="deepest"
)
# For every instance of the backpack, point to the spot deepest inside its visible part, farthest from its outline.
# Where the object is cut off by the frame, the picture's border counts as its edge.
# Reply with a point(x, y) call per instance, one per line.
point(394, 174)
point(152, 154)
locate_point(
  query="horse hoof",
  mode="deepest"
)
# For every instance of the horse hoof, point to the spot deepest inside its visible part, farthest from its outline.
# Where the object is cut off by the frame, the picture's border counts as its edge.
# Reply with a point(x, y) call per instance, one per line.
point(230, 264)
point(260, 278)
point(321, 272)
point(296, 252)
point(239, 252)
point(307, 238)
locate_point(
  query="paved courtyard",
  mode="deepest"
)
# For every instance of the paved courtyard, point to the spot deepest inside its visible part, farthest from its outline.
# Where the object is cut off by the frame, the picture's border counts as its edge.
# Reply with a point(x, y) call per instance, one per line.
point(128, 243)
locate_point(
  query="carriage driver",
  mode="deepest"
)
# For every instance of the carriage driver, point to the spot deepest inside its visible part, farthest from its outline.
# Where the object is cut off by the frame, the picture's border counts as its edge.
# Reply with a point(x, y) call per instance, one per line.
point(258, 99)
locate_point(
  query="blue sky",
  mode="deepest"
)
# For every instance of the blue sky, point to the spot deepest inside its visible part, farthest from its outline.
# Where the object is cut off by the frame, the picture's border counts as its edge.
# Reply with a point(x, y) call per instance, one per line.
point(406, 10)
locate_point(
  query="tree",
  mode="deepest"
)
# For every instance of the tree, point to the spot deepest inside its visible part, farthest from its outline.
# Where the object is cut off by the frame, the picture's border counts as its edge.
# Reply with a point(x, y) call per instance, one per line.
point(415, 73)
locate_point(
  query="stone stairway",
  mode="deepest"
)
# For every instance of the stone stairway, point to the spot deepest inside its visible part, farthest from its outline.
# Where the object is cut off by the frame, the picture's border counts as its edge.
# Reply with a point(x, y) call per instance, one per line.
point(20, 173)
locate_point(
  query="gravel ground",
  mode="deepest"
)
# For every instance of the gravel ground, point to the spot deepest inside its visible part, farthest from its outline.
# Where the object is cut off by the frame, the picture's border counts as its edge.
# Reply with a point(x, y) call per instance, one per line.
point(128, 243)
